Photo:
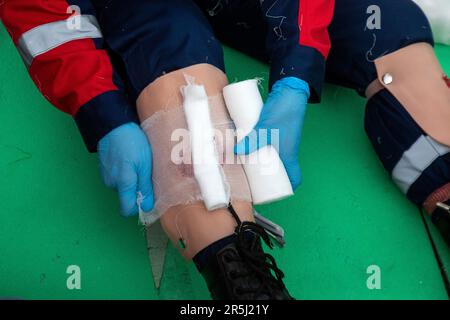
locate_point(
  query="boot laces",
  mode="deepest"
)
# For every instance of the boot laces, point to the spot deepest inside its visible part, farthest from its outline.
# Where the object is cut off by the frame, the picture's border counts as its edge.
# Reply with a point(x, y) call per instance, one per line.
point(258, 263)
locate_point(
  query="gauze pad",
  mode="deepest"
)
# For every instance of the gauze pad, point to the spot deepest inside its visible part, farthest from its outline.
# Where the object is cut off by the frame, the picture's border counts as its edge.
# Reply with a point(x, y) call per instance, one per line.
point(265, 172)
point(173, 173)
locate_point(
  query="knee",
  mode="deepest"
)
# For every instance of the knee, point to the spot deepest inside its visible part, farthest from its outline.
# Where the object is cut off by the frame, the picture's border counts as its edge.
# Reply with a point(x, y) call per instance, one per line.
point(405, 22)
point(159, 36)
point(188, 27)
point(182, 36)
point(390, 128)
point(418, 164)
point(396, 32)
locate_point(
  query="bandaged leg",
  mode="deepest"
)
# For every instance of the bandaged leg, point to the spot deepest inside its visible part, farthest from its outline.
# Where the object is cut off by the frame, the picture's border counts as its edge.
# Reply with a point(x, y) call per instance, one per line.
point(178, 198)
point(407, 120)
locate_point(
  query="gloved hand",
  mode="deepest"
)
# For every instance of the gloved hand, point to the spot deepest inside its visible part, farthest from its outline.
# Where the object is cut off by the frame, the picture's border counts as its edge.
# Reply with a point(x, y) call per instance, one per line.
point(284, 110)
point(125, 164)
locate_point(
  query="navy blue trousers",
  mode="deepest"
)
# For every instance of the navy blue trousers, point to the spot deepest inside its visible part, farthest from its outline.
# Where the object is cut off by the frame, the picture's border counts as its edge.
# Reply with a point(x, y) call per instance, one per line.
point(147, 39)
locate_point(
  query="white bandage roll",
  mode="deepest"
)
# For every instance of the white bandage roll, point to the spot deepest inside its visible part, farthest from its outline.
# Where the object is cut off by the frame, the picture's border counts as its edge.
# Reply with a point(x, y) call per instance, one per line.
point(244, 103)
point(207, 170)
point(265, 172)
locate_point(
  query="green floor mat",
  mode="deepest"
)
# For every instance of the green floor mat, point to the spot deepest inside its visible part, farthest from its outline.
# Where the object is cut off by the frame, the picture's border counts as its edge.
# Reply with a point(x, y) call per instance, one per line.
point(55, 211)
point(443, 251)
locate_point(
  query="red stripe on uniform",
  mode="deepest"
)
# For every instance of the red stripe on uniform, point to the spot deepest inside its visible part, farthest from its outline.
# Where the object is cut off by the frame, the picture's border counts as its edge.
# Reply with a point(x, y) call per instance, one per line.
point(314, 17)
point(20, 16)
point(69, 75)
point(72, 74)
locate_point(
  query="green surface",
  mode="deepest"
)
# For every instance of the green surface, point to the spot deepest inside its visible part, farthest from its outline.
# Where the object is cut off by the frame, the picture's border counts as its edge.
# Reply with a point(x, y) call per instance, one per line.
point(55, 212)
point(443, 54)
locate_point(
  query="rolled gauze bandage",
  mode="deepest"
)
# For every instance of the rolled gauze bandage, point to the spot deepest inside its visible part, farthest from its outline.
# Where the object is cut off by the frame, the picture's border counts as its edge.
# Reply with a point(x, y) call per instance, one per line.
point(207, 170)
point(265, 172)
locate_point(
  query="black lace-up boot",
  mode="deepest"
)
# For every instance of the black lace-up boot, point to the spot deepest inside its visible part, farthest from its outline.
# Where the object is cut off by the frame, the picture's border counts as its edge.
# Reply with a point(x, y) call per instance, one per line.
point(241, 270)
point(441, 219)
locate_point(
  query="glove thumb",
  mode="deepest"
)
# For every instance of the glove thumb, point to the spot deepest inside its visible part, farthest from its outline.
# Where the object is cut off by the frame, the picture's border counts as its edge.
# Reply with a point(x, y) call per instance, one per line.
point(127, 199)
point(146, 190)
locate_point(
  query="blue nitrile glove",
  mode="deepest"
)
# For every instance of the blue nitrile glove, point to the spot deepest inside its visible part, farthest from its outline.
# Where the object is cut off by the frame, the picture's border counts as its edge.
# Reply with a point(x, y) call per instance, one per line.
point(125, 164)
point(284, 110)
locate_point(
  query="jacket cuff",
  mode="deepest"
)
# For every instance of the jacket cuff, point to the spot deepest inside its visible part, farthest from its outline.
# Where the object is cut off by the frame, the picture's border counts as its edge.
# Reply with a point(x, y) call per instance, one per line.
point(101, 115)
point(303, 62)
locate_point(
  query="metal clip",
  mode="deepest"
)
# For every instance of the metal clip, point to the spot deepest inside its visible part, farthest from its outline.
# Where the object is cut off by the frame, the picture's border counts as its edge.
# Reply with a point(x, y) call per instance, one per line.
point(275, 231)
point(443, 206)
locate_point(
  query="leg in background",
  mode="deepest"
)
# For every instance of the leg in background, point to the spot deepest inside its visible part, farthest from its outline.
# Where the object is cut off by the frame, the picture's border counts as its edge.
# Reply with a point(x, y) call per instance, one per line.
point(418, 164)
point(357, 42)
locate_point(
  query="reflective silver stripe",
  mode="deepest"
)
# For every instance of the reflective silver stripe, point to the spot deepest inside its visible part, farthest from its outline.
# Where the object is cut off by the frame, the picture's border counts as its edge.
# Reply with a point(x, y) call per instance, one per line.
point(51, 35)
point(415, 160)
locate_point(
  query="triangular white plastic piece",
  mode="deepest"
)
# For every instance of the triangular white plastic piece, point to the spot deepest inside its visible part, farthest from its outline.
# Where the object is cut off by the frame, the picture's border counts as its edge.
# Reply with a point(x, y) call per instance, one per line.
point(156, 244)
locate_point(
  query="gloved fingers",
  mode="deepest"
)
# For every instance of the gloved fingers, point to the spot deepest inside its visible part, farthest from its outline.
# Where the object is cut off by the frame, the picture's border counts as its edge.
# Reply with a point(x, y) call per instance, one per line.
point(145, 187)
point(128, 201)
point(107, 174)
point(127, 190)
point(294, 172)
